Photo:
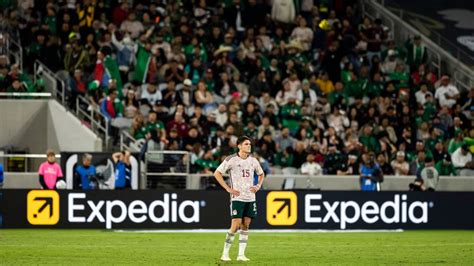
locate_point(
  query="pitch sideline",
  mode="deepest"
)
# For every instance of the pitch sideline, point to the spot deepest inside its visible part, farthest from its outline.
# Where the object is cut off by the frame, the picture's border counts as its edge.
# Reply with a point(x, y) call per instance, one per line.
point(261, 231)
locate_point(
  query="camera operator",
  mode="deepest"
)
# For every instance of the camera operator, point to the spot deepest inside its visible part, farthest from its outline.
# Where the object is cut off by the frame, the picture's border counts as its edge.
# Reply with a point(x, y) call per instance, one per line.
point(85, 174)
point(427, 179)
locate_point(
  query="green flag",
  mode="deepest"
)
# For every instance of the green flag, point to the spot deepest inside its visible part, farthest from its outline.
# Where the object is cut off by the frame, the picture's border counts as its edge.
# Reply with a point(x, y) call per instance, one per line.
point(141, 67)
point(110, 65)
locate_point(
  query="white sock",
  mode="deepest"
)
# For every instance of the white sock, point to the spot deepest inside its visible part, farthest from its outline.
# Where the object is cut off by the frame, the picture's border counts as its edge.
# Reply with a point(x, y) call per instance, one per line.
point(243, 237)
point(228, 242)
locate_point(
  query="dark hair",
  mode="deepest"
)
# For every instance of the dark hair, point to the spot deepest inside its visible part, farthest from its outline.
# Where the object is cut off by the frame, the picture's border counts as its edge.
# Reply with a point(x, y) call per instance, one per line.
point(241, 139)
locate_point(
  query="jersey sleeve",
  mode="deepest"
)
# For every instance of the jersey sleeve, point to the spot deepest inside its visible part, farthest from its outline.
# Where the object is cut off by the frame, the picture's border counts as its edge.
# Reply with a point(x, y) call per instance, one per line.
point(60, 171)
point(41, 169)
point(258, 167)
point(223, 167)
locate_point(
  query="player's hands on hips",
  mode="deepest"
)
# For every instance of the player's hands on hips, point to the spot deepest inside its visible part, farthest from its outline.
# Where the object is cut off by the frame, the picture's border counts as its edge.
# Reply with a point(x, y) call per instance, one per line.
point(233, 192)
point(254, 189)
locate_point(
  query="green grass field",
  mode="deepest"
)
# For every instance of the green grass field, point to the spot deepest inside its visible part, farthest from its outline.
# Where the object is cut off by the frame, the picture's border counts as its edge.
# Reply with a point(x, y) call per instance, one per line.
point(108, 247)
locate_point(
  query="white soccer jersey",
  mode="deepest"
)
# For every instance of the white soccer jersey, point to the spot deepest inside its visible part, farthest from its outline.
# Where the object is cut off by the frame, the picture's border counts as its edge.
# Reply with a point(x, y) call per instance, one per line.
point(241, 172)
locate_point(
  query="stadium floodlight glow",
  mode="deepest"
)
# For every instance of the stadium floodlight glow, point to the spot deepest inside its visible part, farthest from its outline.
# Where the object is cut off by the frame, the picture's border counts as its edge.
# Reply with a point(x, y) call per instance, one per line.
point(370, 211)
point(137, 211)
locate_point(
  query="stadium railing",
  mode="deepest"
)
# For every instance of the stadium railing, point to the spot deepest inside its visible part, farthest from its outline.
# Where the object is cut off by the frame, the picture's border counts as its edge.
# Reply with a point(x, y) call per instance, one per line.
point(24, 95)
point(51, 80)
point(159, 171)
point(398, 31)
point(11, 48)
point(127, 142)
point(27, 162)
point(442, 59)
point(85, 111)
point(21, 170)
point(334, 182)
point(58, 88)
point(167, 169)
point(436, 37)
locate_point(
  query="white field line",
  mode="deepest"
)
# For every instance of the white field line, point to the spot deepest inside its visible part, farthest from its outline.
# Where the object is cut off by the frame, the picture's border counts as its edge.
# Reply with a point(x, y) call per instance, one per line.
point(260, 231)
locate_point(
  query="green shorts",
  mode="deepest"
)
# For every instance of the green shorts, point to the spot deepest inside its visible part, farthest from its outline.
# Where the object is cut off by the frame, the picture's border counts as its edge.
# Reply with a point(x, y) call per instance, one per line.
point(241, 209)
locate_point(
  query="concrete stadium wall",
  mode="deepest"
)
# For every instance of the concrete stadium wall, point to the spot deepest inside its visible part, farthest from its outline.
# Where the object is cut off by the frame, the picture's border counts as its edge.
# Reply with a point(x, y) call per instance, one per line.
point(36, 125)
point(67, 133)
point(23, 124)
point(326, 183)
point(351, 183)
point(41, 124)
point(21, 181)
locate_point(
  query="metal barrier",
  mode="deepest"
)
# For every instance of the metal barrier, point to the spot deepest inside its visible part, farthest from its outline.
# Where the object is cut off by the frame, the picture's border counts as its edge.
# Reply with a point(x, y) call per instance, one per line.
point(441, 57)
point(30, 162)
point(334, 182)
point(167, 169)
point(127, 142)
point(12, 48)
point(51, 81)
point(57, 88)
point(85, 111)
point(398, 32)
point(436, 37)
point(26, 94)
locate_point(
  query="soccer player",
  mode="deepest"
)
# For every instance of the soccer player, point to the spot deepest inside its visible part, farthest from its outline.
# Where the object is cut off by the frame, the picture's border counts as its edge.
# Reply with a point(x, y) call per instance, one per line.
point(241, 167)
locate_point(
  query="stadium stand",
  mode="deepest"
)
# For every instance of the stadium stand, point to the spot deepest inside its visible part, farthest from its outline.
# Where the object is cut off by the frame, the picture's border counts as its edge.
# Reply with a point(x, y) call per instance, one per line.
point(318, 80)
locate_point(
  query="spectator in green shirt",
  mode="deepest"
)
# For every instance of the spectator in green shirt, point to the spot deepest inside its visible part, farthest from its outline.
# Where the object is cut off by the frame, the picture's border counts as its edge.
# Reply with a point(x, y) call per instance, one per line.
point(445, 166)
point(400, 77)
point(284, 158)
point(291, 115)
point(368, 139)
point(207, 163)
point(456, 142)
point(154, 123)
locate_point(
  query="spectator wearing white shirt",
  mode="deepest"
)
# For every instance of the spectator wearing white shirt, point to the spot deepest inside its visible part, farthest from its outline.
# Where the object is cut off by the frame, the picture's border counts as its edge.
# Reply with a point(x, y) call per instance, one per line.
point(388, 66)
point(303, 34)
point(264, 127)
point(429, 175)
point(306, 93)
point(150, 95)
point(422, 93)
point(285, 94)
point(446, 94)
point(132, 26)
point(294, 82)
point(399, 165)
point(462, 160)
point(221, 114)
point(338, 119)
point(310, 167)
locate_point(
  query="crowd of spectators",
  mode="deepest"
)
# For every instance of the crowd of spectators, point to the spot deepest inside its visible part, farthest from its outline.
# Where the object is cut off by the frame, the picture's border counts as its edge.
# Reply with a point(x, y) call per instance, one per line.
point(315, 85)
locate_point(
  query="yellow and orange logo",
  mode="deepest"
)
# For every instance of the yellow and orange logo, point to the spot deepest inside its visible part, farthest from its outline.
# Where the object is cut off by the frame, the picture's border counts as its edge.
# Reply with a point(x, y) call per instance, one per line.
point(43, 207)
point(282, 208)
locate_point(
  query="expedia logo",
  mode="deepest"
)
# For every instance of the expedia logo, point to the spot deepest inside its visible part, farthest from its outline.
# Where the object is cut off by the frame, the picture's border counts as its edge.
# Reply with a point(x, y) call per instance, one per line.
point(282, 208)
point(345, 213)
point(110, 212)
point(43, 207)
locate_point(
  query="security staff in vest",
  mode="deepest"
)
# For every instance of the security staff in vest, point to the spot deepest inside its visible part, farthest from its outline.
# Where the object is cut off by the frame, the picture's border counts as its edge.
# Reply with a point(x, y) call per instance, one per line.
point(370, 173)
